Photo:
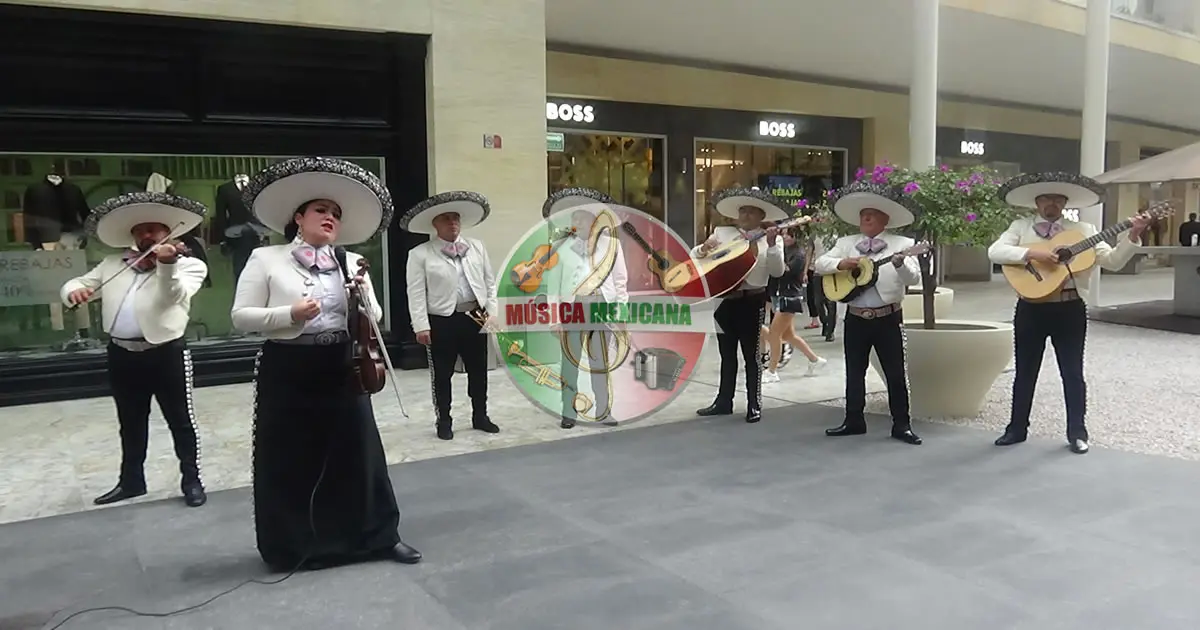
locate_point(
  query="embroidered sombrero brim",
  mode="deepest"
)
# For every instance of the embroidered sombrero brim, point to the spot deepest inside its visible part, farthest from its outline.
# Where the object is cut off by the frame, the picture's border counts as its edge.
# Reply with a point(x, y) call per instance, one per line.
point(1022, 191)
point(848, 203)
point(729, 201)
point(570, 198)
point(471, 208)
point(112, 222)
point(278, 191)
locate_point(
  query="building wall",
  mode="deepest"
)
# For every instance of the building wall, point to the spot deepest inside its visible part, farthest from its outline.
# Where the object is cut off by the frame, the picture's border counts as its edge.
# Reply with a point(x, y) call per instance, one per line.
point(487, 75)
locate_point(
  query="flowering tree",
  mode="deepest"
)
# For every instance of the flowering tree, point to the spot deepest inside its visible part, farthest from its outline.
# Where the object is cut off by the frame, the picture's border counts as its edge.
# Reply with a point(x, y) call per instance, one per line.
point(958, 206)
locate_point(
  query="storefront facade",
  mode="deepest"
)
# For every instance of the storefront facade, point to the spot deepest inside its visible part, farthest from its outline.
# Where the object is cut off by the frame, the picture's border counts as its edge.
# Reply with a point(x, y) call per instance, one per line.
point(667, 160)
point(181, 105)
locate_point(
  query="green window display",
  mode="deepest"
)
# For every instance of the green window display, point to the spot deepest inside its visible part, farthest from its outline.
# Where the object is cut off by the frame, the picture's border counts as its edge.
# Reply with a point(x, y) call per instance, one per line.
point(44, 199)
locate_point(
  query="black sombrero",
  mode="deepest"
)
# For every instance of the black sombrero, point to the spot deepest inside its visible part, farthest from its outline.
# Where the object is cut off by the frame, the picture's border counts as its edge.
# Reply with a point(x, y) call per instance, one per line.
point(569, 198)
point(849, 201)
point(471, 208)
point(1023, 190)
point(729, 201)
point(112, 222)
point(278, 191)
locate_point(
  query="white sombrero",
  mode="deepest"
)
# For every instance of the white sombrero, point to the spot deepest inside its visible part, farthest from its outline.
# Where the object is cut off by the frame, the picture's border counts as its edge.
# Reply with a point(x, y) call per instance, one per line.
point(729, 201)
point(112, 222)
point(472, 209)
point(848, 202)
point(275, 194)
point(570, 198)
point(1023, 190)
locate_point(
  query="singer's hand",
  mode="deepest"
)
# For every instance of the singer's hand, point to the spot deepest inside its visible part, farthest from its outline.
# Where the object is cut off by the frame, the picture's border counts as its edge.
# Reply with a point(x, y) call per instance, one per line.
point(305, 310)
point(79, 296)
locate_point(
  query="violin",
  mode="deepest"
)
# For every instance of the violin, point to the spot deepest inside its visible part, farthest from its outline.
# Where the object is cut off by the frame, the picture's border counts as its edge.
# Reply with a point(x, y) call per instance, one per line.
point(151, 259)
point(370, 364)
point(527, 275)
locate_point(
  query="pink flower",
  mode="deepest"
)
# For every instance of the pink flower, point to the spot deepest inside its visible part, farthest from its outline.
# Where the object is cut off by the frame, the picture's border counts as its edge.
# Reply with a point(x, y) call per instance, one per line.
point(860, 173)
point(970, 217)
point(911, 187)
point(944, 168)
point(802, 203)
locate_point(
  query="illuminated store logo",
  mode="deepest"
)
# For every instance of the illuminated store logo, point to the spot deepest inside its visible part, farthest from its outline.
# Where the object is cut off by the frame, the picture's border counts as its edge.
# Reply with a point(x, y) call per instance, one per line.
point(970, 148)
point(570, 113)
point(776, 129)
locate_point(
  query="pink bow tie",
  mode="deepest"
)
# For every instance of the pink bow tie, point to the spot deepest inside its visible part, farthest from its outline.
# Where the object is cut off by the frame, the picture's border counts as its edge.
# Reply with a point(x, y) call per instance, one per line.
point(455, 250)
point(871, 245)
point(319, 260)
point(1046, 229)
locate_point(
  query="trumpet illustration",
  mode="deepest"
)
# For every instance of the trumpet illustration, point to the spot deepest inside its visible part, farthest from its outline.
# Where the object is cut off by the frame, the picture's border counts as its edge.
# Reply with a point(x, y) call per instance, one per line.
point(546, 377)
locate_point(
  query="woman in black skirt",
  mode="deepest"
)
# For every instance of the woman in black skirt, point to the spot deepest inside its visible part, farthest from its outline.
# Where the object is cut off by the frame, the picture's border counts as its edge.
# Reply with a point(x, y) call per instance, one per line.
point(322, 495)
point(788, 301)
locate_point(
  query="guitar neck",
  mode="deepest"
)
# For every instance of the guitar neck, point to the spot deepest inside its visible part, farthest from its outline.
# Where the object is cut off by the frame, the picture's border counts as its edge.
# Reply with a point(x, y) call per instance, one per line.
point(637, 238)
point(1092, 241)
point(783, 225)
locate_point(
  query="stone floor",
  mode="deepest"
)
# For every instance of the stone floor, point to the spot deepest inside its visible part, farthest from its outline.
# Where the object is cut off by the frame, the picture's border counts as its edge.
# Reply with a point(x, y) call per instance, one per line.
point(697, 525)
point(55, 457)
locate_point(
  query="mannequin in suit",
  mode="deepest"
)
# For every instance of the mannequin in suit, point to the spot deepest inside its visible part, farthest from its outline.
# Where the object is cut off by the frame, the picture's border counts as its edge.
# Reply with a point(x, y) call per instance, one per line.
point(239, 231)
point(874, 320)
point(54, 211)
point(450, 276)
point(145, 311)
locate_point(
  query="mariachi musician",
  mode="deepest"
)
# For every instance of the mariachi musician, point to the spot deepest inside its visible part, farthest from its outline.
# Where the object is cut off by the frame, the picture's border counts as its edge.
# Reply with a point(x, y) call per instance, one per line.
point(873, 318)
point(147, 293)
point(578, 209)
point(1062, 318)
point(741, 312)
point(322, 495)
point(450, 284)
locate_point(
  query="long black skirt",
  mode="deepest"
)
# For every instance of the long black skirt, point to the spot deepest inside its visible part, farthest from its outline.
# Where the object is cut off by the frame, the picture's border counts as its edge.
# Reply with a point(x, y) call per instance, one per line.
point(309, 425)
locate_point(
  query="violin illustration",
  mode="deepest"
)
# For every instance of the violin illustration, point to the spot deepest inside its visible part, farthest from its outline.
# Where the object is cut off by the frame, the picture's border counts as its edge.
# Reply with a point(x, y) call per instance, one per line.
point(527, 275)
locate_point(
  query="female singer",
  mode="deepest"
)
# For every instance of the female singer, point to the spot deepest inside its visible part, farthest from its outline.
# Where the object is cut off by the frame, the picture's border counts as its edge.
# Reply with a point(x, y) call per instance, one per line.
point(322, 496)
point(788, 302)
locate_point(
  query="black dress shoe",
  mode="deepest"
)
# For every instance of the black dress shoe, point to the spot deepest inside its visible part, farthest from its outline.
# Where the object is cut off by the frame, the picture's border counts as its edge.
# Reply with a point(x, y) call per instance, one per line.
point(1079, 447)
point(1011, 437)
point(483, 423)
point(716, 409)
point(753, 415)
point(847, 429)
point(907, 436)
point(404, 554)
point(120, 493)
point(444, 432)
point(567, 423)
point(194, 496)
point(829, 337)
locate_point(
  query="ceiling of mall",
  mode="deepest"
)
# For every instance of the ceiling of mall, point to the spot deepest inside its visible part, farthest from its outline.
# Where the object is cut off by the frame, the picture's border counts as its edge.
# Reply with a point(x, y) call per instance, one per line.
point(981, 56)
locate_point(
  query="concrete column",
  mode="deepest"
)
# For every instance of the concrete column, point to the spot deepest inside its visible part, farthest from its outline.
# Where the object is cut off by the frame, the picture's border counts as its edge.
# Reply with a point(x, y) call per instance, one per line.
point(923, 86)
point(1095, 106)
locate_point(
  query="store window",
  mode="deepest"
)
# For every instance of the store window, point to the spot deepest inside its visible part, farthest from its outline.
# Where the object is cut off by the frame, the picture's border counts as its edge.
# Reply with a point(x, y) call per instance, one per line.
point(630, 169)
point(791, 173)
point(43, 201)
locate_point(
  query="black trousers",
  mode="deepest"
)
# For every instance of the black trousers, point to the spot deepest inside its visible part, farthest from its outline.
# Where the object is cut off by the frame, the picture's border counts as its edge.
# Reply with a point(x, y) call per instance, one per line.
point(885, 335)
point(819, 307)
point(452, 337)
point(1065, 325)
point(599, 379)
point(740, 321)
point(165, 374)
point(240, 249)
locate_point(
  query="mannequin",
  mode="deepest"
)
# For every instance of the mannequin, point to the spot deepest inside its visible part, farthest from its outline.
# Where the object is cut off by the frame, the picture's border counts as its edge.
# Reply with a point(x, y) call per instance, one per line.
point(240, 231)
point(54, 211)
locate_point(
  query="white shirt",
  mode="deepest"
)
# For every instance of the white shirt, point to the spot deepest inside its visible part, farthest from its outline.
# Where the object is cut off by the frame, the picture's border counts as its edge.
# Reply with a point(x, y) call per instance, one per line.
point(164, 295)
point(770, 263)
point(465, 292)
point(433, 280)
point(1009, 250)
point(577, 267)
point(329, 290)
point(125, 324)
point(893, 281)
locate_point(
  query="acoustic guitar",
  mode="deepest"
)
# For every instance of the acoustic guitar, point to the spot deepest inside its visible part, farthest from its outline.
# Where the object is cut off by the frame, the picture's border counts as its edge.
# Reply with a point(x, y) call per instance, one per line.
point(848, 284)
point(723, 268)
point(527, 275)
point(1039, 280)
point(659, 261)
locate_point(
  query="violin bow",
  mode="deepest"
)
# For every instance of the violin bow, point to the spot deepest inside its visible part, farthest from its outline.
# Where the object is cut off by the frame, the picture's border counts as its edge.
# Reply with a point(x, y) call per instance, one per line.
point(387, 358)
point(129, 265)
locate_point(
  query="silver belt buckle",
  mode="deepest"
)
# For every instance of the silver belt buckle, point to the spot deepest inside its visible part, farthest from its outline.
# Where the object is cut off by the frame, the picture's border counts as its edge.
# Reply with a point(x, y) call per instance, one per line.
point(868, 313)
point(326, 338)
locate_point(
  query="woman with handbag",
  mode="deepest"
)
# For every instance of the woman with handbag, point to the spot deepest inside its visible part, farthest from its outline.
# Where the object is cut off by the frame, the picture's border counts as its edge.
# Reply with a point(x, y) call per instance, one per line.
point(788, 302)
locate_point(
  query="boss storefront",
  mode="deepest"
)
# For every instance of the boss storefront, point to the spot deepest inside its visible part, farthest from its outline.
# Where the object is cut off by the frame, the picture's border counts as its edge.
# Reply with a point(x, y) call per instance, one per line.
point(668, 160)
point(192, 107)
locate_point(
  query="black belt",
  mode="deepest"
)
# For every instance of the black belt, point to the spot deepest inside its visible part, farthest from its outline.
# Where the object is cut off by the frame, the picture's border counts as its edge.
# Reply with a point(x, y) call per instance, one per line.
point(743, 293)
point(325, 338)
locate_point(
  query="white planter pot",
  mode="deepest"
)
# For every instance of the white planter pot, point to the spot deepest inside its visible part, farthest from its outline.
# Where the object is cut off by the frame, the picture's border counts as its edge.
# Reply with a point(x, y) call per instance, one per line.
point(914, 305)
point(952, 369)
